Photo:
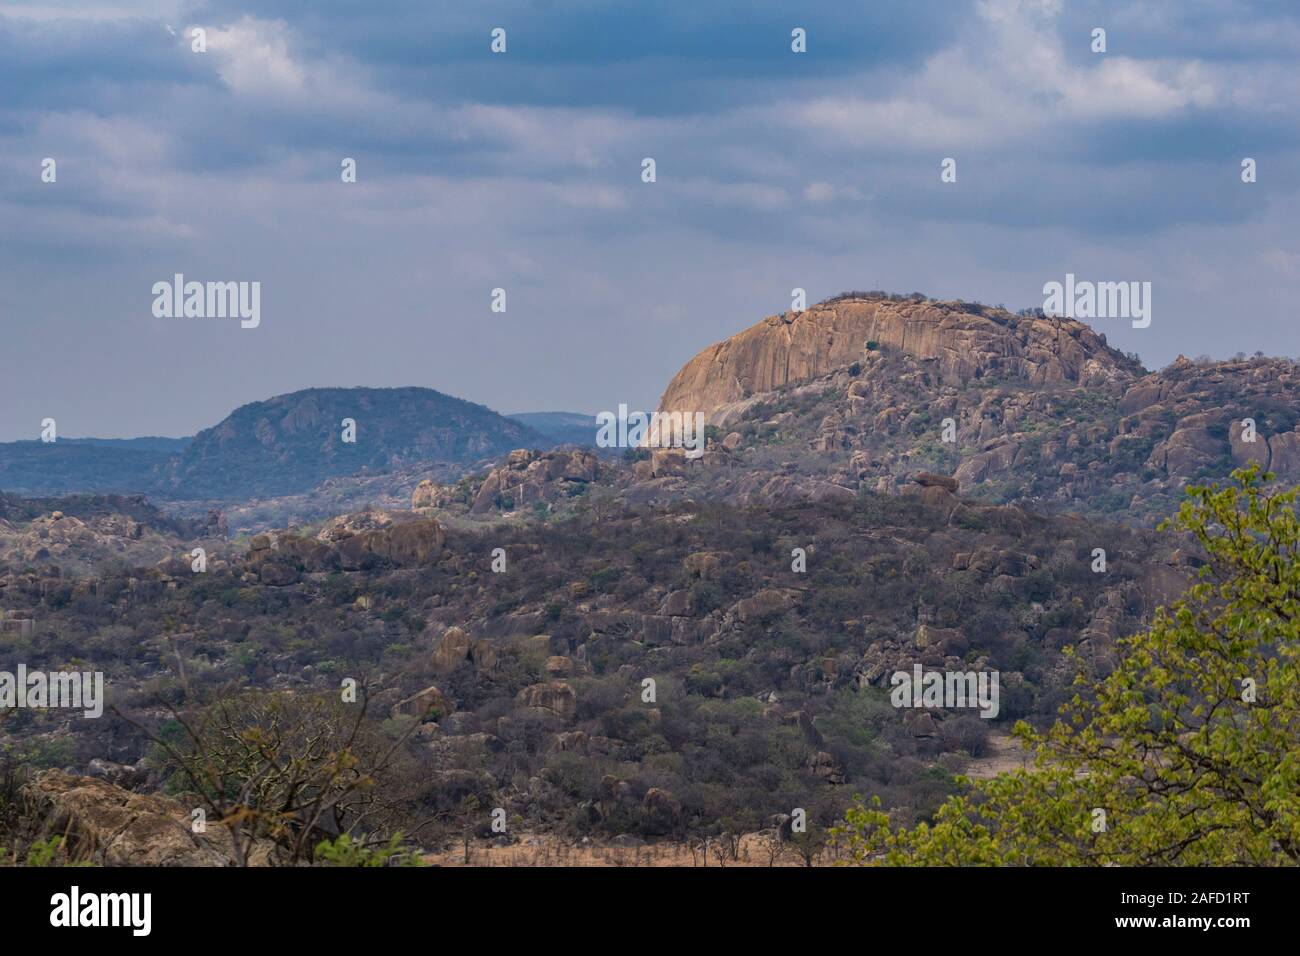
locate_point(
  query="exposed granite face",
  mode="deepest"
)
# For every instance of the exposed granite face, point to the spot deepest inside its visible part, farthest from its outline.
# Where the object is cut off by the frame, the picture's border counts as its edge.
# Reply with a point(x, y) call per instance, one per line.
point(963, 342)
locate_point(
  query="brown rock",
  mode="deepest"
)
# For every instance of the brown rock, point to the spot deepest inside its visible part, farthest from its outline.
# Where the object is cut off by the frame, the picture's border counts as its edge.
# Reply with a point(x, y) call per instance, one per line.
point(559, 666)
point(963, 343)
point(764, 604)
point(428, 704)
point(703, 564)
point(928, 480)
point(1244, 452)
point(661, 810)
point(927, 636)
point(556, 697)
point(484, 654)
point(677, 603)
point(410, 544)
point(452, 650)
point(1285, 453)
point(110, 826)
point(665, 462)
point(427, 496)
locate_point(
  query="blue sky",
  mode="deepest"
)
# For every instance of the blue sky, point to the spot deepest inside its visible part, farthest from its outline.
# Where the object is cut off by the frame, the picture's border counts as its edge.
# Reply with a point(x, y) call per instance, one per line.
point(522, 171)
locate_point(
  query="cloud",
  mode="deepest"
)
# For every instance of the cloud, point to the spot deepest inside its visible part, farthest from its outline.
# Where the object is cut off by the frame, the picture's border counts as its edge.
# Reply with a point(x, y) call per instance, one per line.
point(253, 59)
point(775, 170)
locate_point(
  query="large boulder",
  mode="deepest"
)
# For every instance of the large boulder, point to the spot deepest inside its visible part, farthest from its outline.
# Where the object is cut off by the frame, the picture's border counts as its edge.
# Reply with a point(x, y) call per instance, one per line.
point(662, 811)
point(411, 544)
point(1285, 453)
point(764, 604)
point(556, 697)
point(452, 650)
point(929, 480)
point(406, 544)
point(110, 826)
point(667, 462)
point(1243, 451)
point(484, 655)
point(428, 704)
point(430, 496)
point(705, 565)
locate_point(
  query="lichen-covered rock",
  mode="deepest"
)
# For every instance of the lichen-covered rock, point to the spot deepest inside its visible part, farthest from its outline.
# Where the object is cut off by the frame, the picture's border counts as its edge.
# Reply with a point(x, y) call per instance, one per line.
point(453, 648)
point(428, 704)
point(108, 825)
point(556, 697)
point(367, 538)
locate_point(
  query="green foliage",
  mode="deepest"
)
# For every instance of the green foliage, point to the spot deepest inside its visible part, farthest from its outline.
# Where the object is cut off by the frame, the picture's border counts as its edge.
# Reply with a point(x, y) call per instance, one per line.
point(604, 580)
point(1186, 753)
point(43, 852)
point(345, 851)
point(48, 852)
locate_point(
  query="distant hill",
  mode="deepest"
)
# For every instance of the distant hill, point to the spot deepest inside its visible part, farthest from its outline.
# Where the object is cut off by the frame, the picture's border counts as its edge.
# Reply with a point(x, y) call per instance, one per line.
point(290, 443)
point(285, 445)
point(73, 465)
point(564, 428)
point(147, 443)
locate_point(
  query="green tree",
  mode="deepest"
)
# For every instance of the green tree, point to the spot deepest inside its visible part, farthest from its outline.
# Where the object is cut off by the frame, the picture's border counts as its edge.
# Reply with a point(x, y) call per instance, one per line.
point(1186, 753)
point(345, 851)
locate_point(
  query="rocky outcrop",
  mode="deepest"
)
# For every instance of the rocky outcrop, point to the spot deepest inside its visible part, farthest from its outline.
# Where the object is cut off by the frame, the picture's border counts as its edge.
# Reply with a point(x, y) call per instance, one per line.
point(402, 544)
point(963, 342)
point(452, 650)
point(353, 542)
point(872, 393)
point(765, 605)
point(110, 826)
point(83, 541)
point(929, 480)
point(555, 697)
point(525, 479)
point(662, 811)
point(428, 704)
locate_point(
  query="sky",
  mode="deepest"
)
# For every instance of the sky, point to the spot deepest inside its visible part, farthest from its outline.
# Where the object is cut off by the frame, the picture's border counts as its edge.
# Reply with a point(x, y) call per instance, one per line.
point(522, 171)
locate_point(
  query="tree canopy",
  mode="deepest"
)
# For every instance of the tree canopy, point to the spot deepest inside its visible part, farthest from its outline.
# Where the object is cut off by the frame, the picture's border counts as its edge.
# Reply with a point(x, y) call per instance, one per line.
point(1186, 753)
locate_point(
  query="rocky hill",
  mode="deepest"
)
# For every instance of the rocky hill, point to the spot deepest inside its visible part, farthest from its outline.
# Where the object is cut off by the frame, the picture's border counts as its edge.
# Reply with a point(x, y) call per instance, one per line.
point(959, 342)
point(286, 445)
point(292, 442)
point(1041, 412)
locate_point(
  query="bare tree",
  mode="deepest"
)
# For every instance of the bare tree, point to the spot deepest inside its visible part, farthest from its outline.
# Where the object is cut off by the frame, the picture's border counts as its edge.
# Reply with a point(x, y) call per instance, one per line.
point(290, 768)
